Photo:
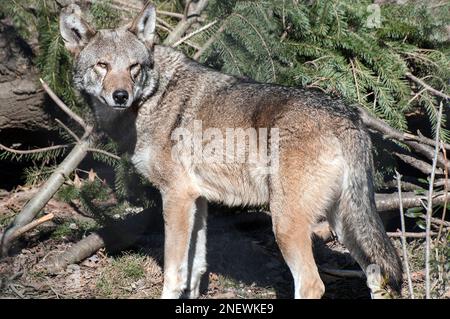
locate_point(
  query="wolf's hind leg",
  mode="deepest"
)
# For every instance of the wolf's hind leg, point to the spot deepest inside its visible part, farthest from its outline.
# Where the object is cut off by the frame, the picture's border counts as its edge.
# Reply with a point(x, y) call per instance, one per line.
point(300, 194)
point(292, 229)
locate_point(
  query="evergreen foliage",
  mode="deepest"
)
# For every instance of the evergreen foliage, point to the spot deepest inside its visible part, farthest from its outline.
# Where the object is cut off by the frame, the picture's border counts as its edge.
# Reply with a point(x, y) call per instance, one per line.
point(342, 47)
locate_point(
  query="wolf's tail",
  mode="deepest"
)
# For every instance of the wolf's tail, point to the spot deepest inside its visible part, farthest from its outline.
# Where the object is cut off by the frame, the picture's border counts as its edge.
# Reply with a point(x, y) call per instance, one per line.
point(356, 220)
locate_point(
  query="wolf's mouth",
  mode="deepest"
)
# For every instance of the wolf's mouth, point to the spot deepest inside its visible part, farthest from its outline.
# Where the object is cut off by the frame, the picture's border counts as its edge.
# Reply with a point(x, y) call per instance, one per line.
point(119, 107)
point(114, 106)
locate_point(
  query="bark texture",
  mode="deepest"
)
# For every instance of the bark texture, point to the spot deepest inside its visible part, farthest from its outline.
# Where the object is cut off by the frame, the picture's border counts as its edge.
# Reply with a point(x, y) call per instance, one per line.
point(21, 97)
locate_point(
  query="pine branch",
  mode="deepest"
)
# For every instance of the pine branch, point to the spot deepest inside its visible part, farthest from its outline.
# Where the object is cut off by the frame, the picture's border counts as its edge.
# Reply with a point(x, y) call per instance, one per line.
point(109, 154)
point(33, 151)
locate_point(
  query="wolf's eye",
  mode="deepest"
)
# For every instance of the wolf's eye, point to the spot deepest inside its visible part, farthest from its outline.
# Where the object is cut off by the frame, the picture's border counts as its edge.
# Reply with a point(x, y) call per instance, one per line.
point(135, 69)
point(102, 65)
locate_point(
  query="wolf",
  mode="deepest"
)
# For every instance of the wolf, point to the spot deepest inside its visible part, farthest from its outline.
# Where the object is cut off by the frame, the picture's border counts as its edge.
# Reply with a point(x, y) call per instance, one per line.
point(143, 93)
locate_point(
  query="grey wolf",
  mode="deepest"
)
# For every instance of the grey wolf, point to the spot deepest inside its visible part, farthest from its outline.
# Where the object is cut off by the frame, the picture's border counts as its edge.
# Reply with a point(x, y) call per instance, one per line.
point(142, 92)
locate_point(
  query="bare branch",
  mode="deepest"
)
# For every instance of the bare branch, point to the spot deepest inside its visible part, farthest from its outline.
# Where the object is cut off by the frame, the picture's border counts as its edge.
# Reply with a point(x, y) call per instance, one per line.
point(410, 234)
point(64, 107)
point(438, 221)
point(430, 206)
point(81, 250)
point(406, 186)
point(193, 13)
point(68, 130)
point(130, 229)
point(422, 166)
point(402, 222)
point(390, 202)
point(444, 210)
point(190, 35)
point(209, 42)
point(193, 45)
point(20, 231)
point(162, 22)
point(423, 139)
point(426, 86)
point(170, 14)
point(390, 132)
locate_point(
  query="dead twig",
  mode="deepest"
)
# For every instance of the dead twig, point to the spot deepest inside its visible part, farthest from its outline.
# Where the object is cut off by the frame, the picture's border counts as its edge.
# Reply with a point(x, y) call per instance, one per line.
point(428, 87)
point(412, 141)
point(20, 231)
point(422, 166)
point(403, 237)
point(130, 229)
point(399, 234)
point(430, 206)
point(444, 210)
point(209, 42)
point(170, 14)
point(64, 107)
point(80, 251)
point(190, 35)
point(192, 13)
point(68, 130)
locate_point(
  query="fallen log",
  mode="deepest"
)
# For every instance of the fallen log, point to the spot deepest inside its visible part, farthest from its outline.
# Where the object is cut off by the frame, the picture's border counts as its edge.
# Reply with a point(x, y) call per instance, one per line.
point(114, 237)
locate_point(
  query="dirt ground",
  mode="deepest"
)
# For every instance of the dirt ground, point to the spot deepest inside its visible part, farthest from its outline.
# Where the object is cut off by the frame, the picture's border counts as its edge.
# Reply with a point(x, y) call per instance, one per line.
point(243, 260)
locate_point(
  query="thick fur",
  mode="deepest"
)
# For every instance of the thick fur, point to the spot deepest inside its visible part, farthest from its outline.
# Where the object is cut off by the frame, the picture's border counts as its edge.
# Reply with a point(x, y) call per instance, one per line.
point(325, 164)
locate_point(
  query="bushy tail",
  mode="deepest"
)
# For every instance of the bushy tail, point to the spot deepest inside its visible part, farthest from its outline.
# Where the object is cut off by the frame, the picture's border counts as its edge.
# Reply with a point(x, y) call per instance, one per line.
point(356, 220)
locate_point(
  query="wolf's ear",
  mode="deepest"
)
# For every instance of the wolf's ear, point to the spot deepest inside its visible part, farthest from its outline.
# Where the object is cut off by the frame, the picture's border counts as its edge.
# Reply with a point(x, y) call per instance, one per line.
point(75, 31)
point(143, 26)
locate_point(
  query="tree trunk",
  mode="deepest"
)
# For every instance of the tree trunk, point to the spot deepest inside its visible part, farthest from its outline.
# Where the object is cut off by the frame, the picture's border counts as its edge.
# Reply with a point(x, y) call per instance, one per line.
point(21, 96)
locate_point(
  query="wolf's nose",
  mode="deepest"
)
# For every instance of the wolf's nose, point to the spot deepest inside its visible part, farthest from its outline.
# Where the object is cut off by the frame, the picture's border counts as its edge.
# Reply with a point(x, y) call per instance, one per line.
point(120, 97)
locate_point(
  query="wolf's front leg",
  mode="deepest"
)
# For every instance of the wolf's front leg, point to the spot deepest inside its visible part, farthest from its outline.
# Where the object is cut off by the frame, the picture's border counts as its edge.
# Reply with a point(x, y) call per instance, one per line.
point(179, 215)
point(197, 251)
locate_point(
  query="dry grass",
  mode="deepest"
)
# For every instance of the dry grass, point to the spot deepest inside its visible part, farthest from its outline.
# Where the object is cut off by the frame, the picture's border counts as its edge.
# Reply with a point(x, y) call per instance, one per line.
point(130, 276)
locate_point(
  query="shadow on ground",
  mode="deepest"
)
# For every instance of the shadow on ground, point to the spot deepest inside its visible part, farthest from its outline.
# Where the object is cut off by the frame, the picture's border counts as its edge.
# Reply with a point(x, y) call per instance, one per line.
point(242, 251)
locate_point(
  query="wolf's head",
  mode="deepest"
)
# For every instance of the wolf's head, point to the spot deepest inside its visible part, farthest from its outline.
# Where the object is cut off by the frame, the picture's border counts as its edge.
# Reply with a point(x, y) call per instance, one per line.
point(113, 67)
